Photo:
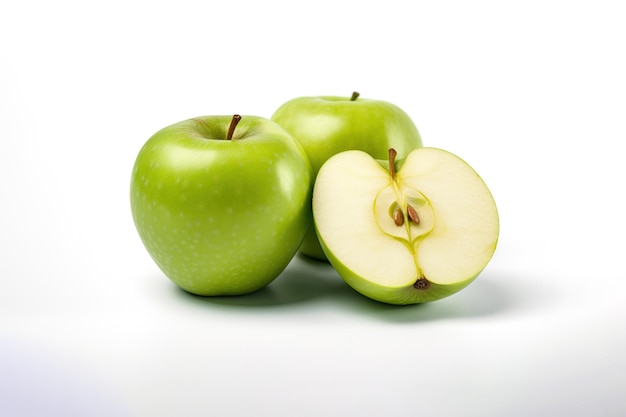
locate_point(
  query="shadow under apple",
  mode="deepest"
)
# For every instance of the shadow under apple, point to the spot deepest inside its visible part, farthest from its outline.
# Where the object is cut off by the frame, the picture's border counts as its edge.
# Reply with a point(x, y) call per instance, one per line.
point(492, 293)
point(485, 297)
point(304, 280)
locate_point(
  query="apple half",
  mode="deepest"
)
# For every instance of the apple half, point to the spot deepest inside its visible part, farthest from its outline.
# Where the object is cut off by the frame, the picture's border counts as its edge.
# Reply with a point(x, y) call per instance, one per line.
point(405, 232)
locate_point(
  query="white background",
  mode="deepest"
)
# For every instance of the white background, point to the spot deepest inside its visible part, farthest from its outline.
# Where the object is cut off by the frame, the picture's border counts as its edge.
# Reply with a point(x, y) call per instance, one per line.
point(532, 94)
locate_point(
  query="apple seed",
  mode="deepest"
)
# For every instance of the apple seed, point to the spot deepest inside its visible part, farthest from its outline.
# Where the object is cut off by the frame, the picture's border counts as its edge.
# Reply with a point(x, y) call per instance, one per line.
point(398, 217)
point(412, 214)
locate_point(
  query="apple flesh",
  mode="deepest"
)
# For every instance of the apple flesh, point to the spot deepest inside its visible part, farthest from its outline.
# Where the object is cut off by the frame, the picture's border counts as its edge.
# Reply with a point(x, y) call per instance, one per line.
point(327, 125)
point(222, 207)
point(409, 234)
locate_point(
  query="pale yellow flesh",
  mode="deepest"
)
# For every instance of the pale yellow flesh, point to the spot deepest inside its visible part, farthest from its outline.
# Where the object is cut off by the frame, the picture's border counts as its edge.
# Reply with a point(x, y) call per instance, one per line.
point(353, 203)
point(344, 213)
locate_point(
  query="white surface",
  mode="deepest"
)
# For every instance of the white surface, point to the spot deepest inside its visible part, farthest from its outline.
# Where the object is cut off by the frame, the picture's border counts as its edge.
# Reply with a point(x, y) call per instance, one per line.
point(531, 95)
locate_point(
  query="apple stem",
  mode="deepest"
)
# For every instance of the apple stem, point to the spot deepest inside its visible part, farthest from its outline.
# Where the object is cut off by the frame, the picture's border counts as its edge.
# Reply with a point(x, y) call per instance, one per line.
point(392, 163)
point(233, 125)
point(397, 215)
point(355, 95)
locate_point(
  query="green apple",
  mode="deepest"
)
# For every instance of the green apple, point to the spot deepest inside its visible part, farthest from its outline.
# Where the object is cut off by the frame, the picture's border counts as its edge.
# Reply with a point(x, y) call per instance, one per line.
point(327, 125)
point(222, 207)
point(405, 234)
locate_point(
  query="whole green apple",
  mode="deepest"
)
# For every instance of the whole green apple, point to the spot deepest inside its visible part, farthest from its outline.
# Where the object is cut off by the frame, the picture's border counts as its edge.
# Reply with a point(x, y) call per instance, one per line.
point(327, 125)
point(405, 233)
point(222, 203)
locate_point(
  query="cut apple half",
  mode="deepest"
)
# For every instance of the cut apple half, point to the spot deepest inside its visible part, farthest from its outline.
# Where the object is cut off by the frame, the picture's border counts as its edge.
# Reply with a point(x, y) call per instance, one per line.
point(405, 234)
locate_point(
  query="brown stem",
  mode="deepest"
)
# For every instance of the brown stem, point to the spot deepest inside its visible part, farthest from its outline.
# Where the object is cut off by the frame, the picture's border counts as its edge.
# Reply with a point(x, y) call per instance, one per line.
point(233, 125)
point(355, 95)
point(392, 163)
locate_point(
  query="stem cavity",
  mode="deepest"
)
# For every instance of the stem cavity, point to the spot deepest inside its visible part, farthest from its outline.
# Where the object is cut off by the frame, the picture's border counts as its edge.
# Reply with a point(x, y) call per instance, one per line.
point(233, 125)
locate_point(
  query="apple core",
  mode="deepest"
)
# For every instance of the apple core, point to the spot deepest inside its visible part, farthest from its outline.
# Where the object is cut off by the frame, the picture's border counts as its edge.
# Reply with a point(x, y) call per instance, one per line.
point(399, 210)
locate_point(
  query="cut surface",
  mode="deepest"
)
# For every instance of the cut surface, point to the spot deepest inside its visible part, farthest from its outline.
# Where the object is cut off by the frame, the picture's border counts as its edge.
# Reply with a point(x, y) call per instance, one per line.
point(435, 222)
point(466, 228)
point(344, 204)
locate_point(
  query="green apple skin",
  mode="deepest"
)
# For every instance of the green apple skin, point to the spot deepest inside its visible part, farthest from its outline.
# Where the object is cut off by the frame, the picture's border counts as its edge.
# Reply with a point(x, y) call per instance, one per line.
point(460, 207)
point(327, 125)
point(221, 217)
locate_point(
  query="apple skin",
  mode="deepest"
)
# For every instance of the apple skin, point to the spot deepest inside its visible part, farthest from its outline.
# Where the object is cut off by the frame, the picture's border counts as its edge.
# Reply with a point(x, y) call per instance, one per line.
point(389, 295)
point(327, 125)
point(221, 217)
